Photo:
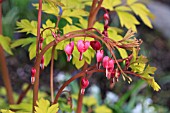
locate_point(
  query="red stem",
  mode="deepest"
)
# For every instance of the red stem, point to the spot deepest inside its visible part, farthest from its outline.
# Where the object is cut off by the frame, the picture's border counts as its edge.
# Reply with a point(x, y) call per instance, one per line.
point(36, 86)
point(4, 68)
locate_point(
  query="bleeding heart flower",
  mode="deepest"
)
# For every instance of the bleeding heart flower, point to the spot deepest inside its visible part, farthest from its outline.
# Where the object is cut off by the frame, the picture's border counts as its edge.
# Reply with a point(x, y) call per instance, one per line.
point(42, 63)
point(106, 16)
point(109, 65)
point(33, 71)
point(68, 50)
point(84, 84)
point(99, 57)
point(95, 45)
point(82, 46)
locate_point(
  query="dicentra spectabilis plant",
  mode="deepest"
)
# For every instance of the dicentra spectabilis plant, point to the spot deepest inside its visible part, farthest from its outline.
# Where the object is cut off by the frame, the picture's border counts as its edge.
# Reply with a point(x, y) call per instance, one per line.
point(88, 39)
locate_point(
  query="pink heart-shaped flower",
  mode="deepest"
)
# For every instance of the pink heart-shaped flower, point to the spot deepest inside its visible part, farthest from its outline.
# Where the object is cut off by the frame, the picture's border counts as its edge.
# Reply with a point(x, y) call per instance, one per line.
point(82, 46)
point(68, 50)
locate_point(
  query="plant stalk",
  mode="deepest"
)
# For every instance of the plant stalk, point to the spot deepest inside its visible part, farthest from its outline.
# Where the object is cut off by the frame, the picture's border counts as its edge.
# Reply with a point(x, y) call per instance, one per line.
point(36, 85)
point(3, 67)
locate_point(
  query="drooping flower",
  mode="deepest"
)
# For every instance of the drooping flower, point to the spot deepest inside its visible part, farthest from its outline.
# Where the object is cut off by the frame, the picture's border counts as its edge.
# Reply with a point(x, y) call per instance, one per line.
point(33, 71)
point(84, 84)
point(41, 43)
point(68, 50)
point(82, 46)
point(95, 45)
point(106, 20)
point(109, 65)
point(99, 57)
point(42, 62)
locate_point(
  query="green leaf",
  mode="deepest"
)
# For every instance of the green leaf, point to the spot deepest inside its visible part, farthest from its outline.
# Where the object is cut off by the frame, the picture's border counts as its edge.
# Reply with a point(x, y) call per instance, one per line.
point(143, 12)
point(22, 42)
point(26, 26)
point(128, 20)
point(65, 107)
point(5, 43)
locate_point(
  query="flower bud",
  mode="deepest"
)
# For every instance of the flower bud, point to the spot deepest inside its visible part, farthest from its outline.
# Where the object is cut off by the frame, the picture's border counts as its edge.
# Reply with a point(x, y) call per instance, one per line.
point(95, 45)
point(84, 85)
point(33, 72)
point(42, 63)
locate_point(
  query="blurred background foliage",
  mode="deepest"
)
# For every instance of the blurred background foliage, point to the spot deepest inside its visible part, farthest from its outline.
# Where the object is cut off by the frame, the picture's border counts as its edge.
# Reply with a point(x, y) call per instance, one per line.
point(123, 98)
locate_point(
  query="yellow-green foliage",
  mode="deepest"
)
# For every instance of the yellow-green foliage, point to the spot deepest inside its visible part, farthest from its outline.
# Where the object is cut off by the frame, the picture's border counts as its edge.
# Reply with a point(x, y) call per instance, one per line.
point(126, 12)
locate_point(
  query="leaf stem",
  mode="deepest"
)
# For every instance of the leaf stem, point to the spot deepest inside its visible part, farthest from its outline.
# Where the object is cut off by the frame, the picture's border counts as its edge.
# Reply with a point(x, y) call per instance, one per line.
point(52, 74)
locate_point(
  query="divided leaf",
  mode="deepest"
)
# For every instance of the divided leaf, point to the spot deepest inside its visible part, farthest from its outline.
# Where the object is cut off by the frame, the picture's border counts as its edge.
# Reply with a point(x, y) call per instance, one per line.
point(143, 12)
point(26, 26)
point(43, 106)
point(128, 20)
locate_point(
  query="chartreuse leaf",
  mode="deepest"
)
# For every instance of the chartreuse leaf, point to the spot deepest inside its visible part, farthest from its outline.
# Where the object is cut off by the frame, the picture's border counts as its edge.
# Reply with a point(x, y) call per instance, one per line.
point(75, 4)
point(143, 12)
point(43, 106)
point(22, 42)
point(69, 28)
point(75, 60)
point(102, 109)
point(109, 4)
point(6, 111)
point(89, 101)
point(32, 50)
point(53, 109)
point(122, 8)
point(138, 65)
point(129, 2)
point(47, 56)
point(26, 26)
point(5, 43)
point(25, 107)
point(149, 79)
point(128, 20)
point(113, 35)
point(48, 8)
